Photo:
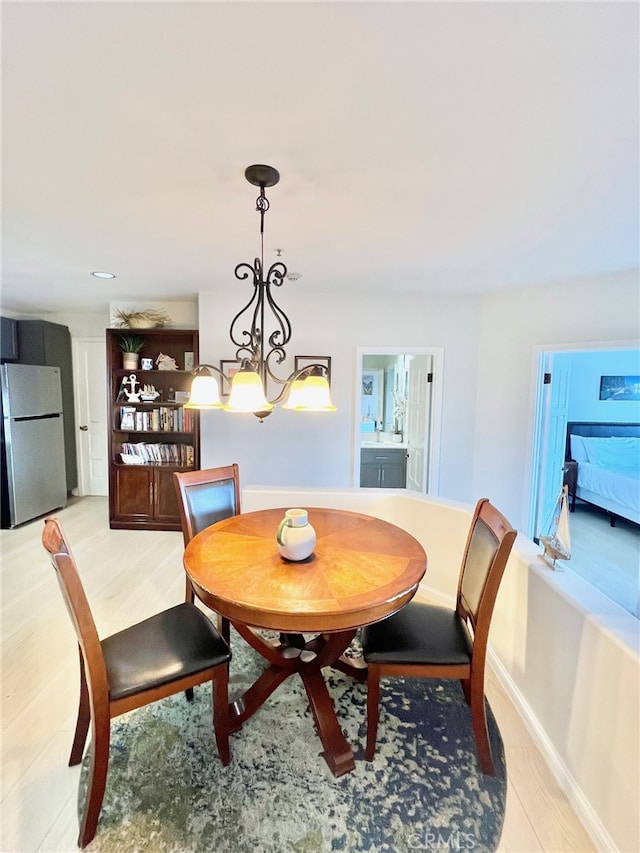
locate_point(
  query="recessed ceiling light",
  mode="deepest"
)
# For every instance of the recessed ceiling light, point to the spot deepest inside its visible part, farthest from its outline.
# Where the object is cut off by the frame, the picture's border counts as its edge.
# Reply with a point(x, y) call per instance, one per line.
point(104, 274)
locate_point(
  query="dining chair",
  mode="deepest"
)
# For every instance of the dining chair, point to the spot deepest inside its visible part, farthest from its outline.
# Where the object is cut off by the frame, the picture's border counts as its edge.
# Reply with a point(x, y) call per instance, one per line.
point(174, 650)
point(205, 497)
point(429, 641)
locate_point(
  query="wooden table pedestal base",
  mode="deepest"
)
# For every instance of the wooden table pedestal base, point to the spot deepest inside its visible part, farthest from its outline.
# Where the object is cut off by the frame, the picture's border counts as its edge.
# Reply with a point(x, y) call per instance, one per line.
point(308, 661)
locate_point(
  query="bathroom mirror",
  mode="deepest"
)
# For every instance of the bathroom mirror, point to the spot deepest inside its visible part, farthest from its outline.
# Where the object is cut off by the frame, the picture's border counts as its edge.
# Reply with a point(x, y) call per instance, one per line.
point(397, 428)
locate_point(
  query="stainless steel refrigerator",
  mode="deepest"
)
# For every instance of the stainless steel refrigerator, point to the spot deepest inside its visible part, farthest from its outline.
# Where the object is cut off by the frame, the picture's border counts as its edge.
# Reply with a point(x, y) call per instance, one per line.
point(34, 476)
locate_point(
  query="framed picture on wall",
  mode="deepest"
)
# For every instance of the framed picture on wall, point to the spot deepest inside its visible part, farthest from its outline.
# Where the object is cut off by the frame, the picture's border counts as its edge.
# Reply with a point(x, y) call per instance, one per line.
point(372, 395)
point(229, 368)
point(301, 361)
point(620, 388)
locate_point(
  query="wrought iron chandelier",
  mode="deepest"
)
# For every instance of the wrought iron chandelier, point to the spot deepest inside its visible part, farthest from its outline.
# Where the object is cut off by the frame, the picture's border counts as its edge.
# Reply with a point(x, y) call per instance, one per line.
point(258, 351)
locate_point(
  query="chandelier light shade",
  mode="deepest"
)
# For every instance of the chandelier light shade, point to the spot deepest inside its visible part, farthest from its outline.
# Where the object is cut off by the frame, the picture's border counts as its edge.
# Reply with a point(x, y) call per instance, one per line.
point(259, 349)
point(247, 393)
point(311, 394)
point(204, 390)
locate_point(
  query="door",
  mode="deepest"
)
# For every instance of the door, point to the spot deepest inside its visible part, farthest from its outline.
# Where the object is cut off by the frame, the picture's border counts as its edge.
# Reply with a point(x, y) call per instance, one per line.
point(165, 498)
point(90, 370)
point(418, 418)
point(426, 415)
point(35, 466)
point(551, 431)
point(30, 391)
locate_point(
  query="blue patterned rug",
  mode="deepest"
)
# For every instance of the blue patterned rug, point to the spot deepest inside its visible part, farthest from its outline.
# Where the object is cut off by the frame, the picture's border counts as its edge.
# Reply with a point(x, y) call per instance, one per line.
point(167, 791)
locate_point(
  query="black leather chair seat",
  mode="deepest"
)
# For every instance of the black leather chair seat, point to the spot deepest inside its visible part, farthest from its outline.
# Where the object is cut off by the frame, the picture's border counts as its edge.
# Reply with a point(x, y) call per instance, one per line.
point(154, 652)
point(418, 634)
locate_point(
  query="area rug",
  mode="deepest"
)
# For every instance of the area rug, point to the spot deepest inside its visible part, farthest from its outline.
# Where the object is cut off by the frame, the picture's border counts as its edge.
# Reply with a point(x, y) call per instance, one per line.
point(167, 791)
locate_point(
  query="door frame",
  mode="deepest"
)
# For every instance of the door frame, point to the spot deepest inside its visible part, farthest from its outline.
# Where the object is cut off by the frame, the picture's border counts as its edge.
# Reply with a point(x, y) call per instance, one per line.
point(542, 362)
point(433, 425)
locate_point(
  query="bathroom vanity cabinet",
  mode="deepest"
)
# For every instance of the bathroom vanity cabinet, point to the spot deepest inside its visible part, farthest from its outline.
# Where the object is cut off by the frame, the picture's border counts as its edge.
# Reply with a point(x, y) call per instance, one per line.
point(383, 468)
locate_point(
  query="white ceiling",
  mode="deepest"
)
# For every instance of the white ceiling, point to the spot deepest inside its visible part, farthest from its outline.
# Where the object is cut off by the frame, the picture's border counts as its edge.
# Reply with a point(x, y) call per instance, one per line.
point(443, 146)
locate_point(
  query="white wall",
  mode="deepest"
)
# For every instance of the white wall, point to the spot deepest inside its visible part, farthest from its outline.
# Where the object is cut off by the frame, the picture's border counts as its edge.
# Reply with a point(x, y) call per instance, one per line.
point(512, 324)
point(309, 449)
point(489, 389)
point(587, 368)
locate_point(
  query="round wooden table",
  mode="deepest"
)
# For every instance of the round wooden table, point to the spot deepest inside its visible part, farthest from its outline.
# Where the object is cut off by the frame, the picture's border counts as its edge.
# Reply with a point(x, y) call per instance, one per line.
point(362, 570)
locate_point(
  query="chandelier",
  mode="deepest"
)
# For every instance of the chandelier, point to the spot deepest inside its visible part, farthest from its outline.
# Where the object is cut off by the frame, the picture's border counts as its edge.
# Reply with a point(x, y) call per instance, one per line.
point(259, 350)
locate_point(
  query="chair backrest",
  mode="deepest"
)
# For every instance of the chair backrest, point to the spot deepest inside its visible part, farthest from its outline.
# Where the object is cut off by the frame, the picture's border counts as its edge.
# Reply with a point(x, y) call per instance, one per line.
point(205, 497)
point(74, 596)
point(489, 544)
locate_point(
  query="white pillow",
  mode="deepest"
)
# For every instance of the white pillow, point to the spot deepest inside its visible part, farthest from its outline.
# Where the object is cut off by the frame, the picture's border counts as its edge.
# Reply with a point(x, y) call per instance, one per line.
point(578, 450)
point(615, 452)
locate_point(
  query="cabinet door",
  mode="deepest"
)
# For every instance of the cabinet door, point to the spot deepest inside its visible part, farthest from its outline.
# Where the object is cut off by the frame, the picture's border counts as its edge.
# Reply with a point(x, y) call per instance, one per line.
point(133, 499)
point(393, 475)
point(165, 499)
point(370, 475)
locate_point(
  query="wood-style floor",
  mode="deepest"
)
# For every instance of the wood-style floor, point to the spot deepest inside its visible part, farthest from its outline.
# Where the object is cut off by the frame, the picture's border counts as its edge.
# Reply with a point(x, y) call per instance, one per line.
point(607, 557)
point(129, 575)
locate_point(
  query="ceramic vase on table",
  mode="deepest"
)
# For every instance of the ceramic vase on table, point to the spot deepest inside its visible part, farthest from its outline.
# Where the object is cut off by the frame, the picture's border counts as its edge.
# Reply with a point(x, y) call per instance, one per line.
point(296, 538)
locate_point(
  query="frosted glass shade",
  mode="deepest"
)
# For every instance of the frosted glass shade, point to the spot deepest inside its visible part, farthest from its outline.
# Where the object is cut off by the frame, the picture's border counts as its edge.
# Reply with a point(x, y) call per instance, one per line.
point(247, 393)
point(204, 393)
point(314, 395)
point(296, 395)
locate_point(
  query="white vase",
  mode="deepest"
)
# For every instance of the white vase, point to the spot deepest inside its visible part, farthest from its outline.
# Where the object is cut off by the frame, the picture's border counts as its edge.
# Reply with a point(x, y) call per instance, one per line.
point(296, 538)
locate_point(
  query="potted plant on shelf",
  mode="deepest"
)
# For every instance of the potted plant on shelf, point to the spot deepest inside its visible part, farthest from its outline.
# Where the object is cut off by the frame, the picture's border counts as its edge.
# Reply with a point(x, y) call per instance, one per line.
point(131, 346)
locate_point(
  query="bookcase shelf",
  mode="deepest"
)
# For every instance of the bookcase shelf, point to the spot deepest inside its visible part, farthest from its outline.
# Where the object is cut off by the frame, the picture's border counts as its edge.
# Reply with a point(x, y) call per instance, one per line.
point(160, 432)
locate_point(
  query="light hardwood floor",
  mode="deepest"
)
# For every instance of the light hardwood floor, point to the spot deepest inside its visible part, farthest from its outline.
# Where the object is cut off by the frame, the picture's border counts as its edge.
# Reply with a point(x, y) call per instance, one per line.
point(128, 576)
point(607, 557)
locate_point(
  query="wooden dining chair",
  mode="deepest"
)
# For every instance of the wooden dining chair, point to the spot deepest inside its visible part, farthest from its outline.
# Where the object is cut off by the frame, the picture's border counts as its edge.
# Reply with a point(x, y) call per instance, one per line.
point(205, 497)
point(427, 641)
point(172, 651)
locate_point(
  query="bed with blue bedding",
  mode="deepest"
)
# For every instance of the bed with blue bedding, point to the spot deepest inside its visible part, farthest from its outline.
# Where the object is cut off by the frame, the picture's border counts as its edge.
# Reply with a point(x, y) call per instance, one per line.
point(606, 459)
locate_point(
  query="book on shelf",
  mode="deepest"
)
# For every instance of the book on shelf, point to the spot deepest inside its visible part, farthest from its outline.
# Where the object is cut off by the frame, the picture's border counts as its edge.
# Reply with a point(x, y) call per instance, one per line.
point(127, 417)
point(161, 419)
point(142, 452)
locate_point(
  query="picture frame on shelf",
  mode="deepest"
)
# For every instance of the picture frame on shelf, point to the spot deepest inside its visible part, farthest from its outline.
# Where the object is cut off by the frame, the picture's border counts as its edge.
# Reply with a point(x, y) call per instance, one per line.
point(188, 361)
point(229, 368)
point(302, 361)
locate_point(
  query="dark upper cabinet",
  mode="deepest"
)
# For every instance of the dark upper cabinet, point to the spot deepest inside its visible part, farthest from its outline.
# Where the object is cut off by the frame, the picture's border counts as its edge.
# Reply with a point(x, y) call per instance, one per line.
point(8, 340)
point(41, 342)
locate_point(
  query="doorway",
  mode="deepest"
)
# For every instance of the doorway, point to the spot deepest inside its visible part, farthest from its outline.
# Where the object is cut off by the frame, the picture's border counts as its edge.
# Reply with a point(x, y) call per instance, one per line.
point(398, 407)
point(90, 370)
point(567, 385)
point(567, 389)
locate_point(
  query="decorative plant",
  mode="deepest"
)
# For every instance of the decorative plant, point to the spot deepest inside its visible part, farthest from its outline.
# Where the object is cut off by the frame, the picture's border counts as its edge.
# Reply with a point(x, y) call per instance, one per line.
point(399, 410)
point(147, 319)
point(131, 343)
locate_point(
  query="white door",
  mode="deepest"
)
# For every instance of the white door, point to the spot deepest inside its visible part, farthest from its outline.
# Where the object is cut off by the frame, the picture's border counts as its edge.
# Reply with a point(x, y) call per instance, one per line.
point(552, 420)
point(418, 421)
point(90, 371)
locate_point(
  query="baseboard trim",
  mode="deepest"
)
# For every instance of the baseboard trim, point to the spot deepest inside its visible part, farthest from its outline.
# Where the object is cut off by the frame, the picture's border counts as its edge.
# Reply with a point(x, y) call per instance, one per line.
point(579, 802)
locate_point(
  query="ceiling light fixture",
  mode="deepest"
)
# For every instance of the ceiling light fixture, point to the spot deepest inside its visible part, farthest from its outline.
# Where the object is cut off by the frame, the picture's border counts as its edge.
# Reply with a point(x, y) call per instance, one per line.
point(259, 351)
point(103, 274)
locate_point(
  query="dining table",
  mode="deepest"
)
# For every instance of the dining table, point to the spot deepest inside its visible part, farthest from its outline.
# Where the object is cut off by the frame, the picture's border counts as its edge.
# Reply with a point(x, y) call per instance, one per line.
point(362, 569)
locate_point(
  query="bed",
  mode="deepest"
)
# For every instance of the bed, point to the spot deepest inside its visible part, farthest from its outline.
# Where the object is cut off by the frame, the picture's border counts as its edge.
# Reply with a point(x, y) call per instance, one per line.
point(603, 467)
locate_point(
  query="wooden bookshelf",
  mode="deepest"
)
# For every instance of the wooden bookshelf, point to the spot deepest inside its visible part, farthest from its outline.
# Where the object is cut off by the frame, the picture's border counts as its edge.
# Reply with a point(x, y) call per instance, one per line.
point(149, 439)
